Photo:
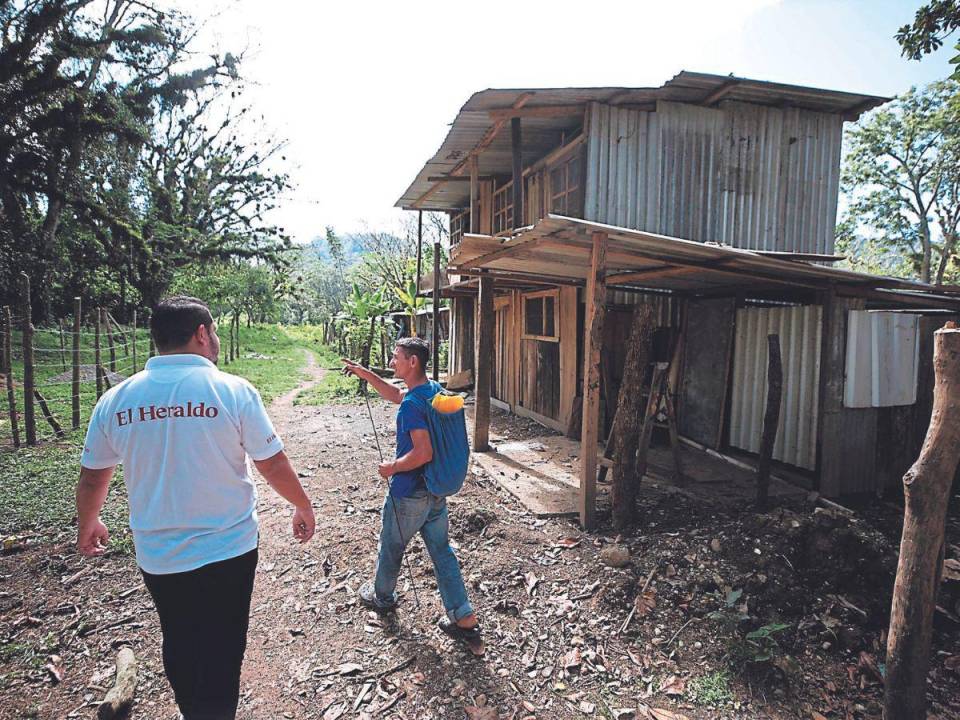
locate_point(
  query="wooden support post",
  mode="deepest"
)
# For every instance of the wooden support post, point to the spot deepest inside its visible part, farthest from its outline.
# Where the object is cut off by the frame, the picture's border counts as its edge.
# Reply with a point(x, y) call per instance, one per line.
point(436, 310)
point(483, 379)
point(626, 424)
point(416, 280)
point(8, 372)
point(771, 419)
point(75, 374)
point(474, 194)
point(133, 333)
point(926, 493)
point(596, 299)
point(111, 346)
point(45, 409)
point(63, 348)
point(29, 415)
point(516, 146)
point(96, 352)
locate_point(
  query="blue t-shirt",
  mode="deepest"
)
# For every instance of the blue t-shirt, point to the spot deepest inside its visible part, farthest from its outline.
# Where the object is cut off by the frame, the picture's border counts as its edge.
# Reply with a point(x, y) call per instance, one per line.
point(411, 416)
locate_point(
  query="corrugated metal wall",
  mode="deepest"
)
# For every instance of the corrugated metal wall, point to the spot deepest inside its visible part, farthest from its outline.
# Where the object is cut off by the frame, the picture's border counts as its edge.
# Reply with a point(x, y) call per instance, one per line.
point(799, 329)
point(748, 176)
point(666, 308)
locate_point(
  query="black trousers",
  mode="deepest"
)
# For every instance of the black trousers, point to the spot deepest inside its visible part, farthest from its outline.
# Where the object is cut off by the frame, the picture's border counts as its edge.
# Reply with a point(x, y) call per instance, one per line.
point(204, 614)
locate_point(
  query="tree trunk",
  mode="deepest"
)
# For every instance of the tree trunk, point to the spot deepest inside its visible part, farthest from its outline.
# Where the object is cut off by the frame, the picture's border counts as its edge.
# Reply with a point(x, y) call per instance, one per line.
point(949, 247)
point(626, 424)
point(926, 492)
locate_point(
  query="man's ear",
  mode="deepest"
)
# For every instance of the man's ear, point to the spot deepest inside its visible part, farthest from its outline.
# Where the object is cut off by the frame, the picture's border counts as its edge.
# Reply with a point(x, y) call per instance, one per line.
point(201, 334)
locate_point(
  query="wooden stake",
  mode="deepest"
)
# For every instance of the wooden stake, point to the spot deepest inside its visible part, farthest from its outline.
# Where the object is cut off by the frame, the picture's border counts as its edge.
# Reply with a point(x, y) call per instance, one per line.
point(8, 372)
point(57, 430)
point(75, 375)
point(29, 415)
point(482, 380)
point(63, 349)
point(626, 424)
point(110, 342)
point(596, 297)
point(771, 419)
point(96, 352)
point(436, 310)
point(926, 489)
point(106, 377)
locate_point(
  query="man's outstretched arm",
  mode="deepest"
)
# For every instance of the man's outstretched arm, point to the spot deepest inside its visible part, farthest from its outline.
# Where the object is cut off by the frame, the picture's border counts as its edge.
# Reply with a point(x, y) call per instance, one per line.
point(280, 475)
point(390, 393)
point(92, 534)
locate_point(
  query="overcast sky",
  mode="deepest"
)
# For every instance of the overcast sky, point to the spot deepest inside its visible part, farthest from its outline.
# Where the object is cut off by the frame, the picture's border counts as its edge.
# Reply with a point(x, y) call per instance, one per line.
point(364, 91)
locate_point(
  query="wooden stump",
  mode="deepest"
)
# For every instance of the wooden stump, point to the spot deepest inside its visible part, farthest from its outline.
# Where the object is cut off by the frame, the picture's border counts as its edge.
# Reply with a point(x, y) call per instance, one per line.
point(926, 489)
point(626, 423)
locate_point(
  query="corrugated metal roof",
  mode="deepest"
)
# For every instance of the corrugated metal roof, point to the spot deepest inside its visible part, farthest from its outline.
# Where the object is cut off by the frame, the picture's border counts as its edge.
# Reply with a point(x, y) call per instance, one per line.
point(541, 134)
point(559, 247)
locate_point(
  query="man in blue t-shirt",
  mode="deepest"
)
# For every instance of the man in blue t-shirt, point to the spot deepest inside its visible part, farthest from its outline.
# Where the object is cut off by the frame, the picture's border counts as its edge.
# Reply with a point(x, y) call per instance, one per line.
point(409, 507)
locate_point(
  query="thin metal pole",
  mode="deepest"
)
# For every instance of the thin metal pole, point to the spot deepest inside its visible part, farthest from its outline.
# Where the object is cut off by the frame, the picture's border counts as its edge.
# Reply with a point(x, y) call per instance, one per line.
point(419, 248)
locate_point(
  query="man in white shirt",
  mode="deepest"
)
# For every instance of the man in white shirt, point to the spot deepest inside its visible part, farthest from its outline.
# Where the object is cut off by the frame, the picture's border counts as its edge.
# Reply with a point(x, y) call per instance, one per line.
point(182, 430)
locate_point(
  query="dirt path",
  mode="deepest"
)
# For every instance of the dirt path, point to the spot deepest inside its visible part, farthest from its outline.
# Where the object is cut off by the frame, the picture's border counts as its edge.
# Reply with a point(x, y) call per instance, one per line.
point(567, 637)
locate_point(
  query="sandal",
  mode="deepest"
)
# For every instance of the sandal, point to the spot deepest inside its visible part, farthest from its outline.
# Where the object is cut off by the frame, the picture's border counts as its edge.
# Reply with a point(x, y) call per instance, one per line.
point(470, 636)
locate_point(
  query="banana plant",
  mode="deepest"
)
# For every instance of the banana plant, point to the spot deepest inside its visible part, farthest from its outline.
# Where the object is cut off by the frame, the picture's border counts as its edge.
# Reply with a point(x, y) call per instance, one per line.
point(411, 303)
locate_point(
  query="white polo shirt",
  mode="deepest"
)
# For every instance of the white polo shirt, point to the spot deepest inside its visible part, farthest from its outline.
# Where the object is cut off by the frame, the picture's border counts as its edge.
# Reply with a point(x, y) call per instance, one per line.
point(182, 430)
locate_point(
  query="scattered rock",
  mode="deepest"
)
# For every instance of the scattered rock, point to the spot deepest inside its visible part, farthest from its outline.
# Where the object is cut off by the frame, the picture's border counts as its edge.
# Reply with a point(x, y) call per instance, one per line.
point(616, 556)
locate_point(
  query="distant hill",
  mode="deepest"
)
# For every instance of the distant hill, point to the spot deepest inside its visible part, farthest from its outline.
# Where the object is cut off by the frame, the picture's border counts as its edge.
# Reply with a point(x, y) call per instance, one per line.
point(352, 248)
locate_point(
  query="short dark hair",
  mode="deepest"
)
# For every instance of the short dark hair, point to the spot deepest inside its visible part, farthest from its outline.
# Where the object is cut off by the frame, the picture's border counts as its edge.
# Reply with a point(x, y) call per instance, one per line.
point(175, 319)
point(416, 346)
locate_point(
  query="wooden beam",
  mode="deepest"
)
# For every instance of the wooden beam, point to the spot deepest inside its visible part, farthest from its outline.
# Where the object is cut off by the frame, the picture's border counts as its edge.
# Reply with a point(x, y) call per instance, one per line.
point(596, 295)
point(458, 178)
point(503, 250)
point(483, 379)
point(488, 137)
point(419, 247)
point(659, 271)
point(522, 277)
point(720, 93)
point(516, 147)
point(542, 111)
point(474, 194)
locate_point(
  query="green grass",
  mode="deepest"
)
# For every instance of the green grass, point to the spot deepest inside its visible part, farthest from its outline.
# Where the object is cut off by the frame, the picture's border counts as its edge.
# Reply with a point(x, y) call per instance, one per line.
point(270, 358)
point(710, 689)
point(37, 484)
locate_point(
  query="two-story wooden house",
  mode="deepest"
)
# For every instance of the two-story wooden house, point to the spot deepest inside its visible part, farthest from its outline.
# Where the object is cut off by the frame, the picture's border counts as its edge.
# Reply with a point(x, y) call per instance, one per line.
point(713, 199)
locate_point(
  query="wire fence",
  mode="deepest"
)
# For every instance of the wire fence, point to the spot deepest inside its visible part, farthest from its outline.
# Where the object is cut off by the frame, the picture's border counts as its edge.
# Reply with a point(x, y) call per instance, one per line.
point(52, 376)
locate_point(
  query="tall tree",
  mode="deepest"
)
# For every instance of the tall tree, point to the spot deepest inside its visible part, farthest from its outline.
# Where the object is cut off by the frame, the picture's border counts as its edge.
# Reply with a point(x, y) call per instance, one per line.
point(901, 177)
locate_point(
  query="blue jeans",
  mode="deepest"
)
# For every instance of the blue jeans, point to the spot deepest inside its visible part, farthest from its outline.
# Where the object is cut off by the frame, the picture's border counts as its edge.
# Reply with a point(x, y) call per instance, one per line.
point(427, 514)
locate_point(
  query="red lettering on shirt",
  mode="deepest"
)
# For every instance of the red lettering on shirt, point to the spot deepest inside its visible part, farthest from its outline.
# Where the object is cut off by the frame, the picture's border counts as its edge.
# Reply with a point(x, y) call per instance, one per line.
point(149, 413)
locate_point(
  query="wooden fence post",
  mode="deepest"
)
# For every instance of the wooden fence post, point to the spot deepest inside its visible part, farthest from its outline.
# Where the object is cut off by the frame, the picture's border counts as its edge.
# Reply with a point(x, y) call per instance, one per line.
point(8, 371)
point(98, 315)
point(134, 341)
point(110, 344)
point(63, 349)
point(29, 416)
point(926, 489)
point(75, 377)
point(771, 419)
